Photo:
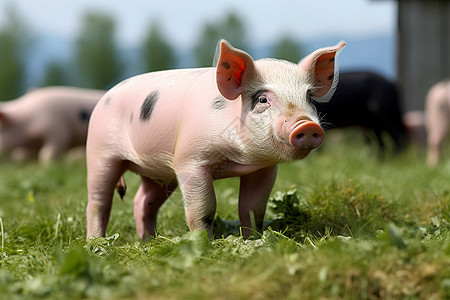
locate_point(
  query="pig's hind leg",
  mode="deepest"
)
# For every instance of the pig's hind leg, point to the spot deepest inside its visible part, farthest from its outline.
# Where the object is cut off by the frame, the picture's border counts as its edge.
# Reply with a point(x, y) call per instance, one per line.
point(102, 177)
point(437, 131)
point(437, 125)
point(149, 198)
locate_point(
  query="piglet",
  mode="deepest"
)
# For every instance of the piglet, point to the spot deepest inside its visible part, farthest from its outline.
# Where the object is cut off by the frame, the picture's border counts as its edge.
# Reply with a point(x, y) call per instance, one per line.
point(46, 122)
point(188, 127)
point(437, 119)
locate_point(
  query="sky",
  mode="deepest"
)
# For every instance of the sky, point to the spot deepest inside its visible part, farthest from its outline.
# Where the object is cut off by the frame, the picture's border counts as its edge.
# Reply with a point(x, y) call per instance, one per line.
point(265, 20)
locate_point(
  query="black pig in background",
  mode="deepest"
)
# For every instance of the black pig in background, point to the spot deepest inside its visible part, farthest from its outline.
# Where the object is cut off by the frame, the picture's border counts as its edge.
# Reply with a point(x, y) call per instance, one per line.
point(367, 100)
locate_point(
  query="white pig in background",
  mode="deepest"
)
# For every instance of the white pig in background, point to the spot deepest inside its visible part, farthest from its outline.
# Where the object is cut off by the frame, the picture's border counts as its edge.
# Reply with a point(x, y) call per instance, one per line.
point(46, 122)
point(437, 119)
point(189, 127)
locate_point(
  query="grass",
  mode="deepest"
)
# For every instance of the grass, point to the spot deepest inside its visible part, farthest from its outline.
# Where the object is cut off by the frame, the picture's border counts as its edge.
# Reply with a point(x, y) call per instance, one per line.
point(341, 224)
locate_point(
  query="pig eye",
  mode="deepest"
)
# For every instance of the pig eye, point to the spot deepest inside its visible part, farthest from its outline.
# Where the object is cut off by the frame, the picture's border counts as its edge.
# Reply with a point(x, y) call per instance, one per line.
point(262, 99)
point(260, 102)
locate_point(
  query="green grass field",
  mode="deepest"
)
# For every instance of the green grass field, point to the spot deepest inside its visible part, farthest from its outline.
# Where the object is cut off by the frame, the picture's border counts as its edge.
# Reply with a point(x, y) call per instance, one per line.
point(341, 224)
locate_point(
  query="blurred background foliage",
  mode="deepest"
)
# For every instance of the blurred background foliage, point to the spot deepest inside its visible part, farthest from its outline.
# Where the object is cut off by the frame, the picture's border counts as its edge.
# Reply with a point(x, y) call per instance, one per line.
point(96, 52)
point(230, 28)
point(15, 40)
point(97, 61)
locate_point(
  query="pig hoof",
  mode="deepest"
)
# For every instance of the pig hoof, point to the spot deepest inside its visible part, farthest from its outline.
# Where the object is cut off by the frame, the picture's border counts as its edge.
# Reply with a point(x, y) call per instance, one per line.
point(121, 190)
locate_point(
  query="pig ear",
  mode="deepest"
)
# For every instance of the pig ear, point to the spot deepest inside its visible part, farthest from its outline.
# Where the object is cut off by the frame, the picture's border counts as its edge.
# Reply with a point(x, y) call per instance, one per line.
point(234, 69)
point(322, 65)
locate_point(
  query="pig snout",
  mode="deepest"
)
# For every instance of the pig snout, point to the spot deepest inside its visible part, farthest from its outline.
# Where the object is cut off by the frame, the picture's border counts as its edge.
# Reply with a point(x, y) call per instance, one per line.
point(307, 135)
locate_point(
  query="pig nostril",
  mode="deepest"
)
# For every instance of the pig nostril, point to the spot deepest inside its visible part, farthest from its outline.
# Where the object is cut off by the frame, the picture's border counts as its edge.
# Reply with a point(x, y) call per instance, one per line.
point(307, 135)
point(301, 135)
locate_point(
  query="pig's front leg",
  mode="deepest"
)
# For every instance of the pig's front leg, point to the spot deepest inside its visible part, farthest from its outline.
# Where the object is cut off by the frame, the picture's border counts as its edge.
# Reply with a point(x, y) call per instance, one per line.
point(254, 192)
point(196, 185)
point(23, 153)
point(54, 146)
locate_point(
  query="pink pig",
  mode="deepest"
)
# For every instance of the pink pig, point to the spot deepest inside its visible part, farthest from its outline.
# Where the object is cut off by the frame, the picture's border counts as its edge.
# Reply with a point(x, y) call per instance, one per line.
point(437, 119)
point(46, 122)
point(189, 127)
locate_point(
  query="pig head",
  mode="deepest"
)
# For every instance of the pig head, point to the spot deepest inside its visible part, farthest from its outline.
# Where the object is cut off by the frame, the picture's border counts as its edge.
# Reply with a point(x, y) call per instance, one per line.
point(188, 127)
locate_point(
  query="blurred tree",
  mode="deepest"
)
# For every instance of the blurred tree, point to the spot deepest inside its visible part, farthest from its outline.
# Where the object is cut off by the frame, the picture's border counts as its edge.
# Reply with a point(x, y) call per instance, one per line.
point(231, 28)
point(55, 74)
point(204, 50)
point(14, 40)
point(157, 54)
point(287, 49)
point(234, 31)
point(97, 56)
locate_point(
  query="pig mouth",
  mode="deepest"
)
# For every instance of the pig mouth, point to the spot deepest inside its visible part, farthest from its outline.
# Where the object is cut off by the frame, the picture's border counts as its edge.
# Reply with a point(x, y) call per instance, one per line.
point(302, 153)
point(289, 152)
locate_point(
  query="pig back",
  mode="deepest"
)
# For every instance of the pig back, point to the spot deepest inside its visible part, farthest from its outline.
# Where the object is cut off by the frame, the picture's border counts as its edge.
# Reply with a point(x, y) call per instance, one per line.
point(48, 110)
point(70, 108)
point(150, 113)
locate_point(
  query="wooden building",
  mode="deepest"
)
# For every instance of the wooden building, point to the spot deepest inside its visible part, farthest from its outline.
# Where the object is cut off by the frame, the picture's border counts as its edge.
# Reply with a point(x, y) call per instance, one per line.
point(423, 48)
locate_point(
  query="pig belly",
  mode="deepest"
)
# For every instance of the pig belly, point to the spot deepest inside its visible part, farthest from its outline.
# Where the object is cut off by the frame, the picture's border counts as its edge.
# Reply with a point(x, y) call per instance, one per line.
point(157, 166)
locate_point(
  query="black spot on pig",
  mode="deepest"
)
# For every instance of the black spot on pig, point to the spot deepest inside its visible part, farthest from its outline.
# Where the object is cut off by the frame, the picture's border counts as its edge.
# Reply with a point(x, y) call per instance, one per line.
point(131, 118)
point(84, 115)
point(226, 65)
point(219, 103)
point(148, 105)
point(107, 100)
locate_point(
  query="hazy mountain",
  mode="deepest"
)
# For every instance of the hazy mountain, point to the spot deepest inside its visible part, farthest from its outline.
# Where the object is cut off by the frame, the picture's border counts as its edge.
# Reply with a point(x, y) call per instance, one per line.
point(376, 53)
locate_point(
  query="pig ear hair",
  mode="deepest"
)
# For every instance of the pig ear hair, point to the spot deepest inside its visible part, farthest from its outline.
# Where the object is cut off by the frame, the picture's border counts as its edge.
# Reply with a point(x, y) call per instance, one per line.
point(217, 53)
point(234, 69)
point(323, 66)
